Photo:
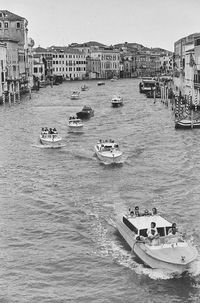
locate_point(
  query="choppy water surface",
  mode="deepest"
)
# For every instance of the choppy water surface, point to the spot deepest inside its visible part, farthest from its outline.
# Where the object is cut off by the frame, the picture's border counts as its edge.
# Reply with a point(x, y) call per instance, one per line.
point(58, 206)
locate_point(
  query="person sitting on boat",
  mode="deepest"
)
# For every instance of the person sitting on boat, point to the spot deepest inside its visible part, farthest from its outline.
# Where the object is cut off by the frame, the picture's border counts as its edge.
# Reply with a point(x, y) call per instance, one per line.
point(55, 131)
point(154, 211)
point(131, 212)
point(137, 212)
point(153, 234)
point(173, 230)
point(146, 213)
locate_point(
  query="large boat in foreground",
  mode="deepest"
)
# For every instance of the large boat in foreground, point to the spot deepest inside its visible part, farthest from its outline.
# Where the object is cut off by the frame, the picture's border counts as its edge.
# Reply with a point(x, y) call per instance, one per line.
point(50, 137)
point(85, 113)
point(166, 252)
point(108, 151)
point(117, 101)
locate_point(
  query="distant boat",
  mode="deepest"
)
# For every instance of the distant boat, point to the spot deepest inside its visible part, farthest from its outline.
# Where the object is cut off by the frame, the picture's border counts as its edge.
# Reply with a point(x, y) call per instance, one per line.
point(85, 113)
point(75, 95)
point(50, 137)
point(114, 79)
point(117, 101)
point(101, 83)
point(75, 124)
point(84, 87)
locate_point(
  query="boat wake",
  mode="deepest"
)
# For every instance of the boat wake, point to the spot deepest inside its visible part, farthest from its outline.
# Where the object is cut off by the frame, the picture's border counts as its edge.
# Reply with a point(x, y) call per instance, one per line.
point(48, 146)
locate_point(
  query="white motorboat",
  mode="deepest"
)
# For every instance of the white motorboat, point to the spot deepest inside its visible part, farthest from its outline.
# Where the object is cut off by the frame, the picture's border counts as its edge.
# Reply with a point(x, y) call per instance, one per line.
point(167, 252)
point(117, 101)
point(50, 137)
point(108, 151)
point(75, 95)
point(75, 124)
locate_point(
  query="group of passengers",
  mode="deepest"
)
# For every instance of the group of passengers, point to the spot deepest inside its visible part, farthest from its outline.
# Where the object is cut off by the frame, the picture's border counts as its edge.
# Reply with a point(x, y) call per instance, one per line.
point(136, 212)
point(73, 118)
point(50, 131)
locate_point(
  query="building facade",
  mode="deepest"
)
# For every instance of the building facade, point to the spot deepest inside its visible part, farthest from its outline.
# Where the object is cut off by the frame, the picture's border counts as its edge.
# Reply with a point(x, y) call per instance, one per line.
point(14, 33)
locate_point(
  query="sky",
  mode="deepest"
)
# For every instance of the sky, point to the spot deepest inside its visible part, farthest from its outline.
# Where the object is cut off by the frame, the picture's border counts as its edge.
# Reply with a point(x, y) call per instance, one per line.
point(152, 23)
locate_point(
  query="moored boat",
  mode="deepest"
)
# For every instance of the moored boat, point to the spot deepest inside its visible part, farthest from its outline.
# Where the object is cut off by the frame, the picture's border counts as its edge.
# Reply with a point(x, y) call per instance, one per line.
point(187, 123)
point(75, 95)
point(75, 124)
point(117, 101)
point(108, 151)
point(50, 137)
point(166, 250)
point(85, 113)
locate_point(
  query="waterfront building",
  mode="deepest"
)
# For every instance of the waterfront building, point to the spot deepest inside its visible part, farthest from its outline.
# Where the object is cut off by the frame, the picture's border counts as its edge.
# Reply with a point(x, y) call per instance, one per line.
point(14, 33)
point(93, 67)
point(39, 68)
point(110, 62)
point(68, 62)
point(3, 83)
point(88, 47)
point(46, 57)
point(187, 67)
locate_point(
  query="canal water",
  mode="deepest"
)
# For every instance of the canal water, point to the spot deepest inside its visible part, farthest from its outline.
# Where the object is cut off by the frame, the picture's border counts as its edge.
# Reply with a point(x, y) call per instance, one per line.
point(59, 241)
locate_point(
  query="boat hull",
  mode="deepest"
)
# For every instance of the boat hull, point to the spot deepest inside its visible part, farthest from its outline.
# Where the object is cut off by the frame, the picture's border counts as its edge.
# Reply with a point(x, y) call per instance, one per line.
point(115, 157)
point(117, 104)
point(85, 115)
point(53, 143)
point(187, 124)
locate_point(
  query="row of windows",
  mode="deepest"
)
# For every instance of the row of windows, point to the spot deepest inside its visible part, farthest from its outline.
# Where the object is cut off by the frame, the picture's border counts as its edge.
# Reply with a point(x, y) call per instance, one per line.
point(68, 56)
point(6, 25)
point(70, 69)
point(69, 63)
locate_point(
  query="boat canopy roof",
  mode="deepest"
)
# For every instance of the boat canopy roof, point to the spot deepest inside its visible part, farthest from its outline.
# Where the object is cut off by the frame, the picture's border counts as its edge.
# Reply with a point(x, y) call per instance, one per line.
point(143, 222)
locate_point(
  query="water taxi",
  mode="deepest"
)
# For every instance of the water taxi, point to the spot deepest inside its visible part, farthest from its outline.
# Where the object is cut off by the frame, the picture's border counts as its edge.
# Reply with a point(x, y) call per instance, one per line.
point(108, 151)
point(85, 113)
point(167, 251)
point(75, 95)
point(117, 101)
point(50, 137)
point(75, 124)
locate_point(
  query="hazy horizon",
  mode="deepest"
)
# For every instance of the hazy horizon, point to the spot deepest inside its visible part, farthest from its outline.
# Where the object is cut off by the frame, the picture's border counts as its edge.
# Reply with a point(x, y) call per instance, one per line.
point(154, 23)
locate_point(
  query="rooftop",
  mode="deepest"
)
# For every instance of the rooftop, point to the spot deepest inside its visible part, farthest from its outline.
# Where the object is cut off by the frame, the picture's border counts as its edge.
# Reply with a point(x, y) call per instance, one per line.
point(6, 15)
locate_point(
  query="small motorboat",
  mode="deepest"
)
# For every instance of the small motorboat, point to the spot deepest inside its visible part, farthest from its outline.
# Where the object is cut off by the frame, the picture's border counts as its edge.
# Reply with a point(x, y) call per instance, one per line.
point(84, 87)
point(187, 123)
point(114, 79)
point(75, 124)
point(171, 252)
point(85, 113)
point(75, 95)
point(50, 137)
point(100, 83)
point(117, 101)
point(108, 151)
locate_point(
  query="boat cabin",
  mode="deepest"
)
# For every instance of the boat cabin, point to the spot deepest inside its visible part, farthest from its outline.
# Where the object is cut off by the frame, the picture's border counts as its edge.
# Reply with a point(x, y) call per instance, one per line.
point(139, 225)
point(147, 85)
